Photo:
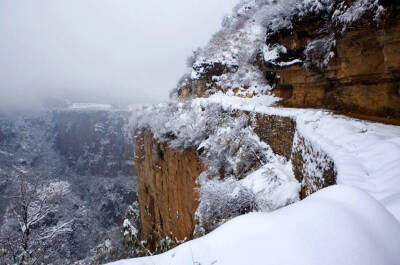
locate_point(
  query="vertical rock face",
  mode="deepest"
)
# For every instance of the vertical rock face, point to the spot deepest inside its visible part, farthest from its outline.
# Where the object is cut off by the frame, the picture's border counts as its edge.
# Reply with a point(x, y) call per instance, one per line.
point(166, 187)
point(362, 79)
point(167, 178)
point(278, 132)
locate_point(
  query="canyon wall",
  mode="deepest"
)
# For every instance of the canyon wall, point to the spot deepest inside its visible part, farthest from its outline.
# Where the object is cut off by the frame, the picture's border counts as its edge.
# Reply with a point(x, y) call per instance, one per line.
point(362, 79)
point(351, 69)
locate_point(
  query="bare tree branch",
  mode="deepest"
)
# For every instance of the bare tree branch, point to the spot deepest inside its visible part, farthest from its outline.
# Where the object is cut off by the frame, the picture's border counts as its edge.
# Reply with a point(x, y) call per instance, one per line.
point(25, 237)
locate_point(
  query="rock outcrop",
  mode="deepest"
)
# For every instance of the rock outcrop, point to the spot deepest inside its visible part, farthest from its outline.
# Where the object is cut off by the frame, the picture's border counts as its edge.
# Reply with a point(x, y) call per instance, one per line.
point(167, 177)
point(362, 78)
point(350, 67)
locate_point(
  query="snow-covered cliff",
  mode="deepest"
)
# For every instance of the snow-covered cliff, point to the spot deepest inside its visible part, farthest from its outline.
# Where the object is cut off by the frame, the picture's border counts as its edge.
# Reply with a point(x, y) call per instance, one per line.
point(232, 143)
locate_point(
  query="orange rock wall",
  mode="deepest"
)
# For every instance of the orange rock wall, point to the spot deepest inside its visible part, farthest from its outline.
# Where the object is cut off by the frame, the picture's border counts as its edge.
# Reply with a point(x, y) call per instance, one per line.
point(166, 187)
point(363, 79)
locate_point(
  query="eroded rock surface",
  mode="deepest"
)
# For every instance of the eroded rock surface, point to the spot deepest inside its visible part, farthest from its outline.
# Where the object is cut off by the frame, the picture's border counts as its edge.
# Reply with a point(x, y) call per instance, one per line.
point(166, 187)
point(361, 79)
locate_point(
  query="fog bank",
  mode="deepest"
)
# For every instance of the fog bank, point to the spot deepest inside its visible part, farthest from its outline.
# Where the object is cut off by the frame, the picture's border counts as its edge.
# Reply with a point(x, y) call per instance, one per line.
point(102, 51)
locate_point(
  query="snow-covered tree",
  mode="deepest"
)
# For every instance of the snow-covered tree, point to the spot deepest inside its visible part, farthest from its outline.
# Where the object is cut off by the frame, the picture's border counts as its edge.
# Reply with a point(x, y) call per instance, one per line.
point(29, 230)
point(131, 241)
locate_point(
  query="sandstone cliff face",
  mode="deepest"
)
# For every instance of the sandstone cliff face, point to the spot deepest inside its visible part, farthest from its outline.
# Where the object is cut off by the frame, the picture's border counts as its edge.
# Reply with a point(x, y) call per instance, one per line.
point(166, 187)
point(167, 177)
point(363, 77)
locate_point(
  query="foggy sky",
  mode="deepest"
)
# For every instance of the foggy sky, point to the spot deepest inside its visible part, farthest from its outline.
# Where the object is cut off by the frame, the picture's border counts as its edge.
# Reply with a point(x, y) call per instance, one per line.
point(102, 51)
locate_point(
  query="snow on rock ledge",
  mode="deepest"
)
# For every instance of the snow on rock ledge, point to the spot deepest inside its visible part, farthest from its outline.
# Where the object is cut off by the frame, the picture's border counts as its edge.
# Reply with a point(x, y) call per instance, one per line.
point(238, 160)
point(366, 154)
point(337, 225)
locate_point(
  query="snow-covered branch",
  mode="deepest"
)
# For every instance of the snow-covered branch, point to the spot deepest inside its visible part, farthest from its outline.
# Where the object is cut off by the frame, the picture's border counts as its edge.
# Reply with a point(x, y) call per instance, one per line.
point(25, 236)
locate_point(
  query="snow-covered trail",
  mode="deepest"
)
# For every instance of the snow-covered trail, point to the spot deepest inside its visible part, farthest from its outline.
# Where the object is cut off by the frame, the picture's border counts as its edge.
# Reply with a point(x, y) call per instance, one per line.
point(366, 154)
point(337, 225)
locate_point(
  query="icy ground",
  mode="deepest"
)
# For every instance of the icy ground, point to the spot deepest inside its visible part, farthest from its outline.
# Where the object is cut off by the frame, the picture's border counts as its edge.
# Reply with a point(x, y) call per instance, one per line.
point(351, 223)
point(338, 225)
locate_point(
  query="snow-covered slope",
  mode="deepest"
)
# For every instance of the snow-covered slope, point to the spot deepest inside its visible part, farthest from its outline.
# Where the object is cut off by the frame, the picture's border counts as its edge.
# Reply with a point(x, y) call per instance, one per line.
point(337, 225)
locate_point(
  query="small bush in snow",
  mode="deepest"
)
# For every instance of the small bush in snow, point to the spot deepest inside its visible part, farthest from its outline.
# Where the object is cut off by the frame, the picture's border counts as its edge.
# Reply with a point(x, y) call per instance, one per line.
point(319, 52)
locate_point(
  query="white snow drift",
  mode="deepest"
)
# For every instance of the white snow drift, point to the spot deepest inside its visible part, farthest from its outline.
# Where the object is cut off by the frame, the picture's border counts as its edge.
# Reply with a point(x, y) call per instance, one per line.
point(337, 225)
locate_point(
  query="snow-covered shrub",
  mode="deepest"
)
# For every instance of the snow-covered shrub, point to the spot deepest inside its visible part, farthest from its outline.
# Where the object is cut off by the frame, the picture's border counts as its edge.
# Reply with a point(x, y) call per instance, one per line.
point(319, 52)
point(315, 7)
point(273, 185)
point(233, 149)
point(182, 125)
point(276, 16)
point(29, 230)
point(131, 232)
point(346, 14)
point(222, 200)
point(192, 58)
point(227, 22)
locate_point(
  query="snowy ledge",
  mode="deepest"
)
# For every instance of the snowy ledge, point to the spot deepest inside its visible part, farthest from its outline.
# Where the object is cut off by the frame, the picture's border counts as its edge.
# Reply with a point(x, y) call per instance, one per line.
point(366, 154)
